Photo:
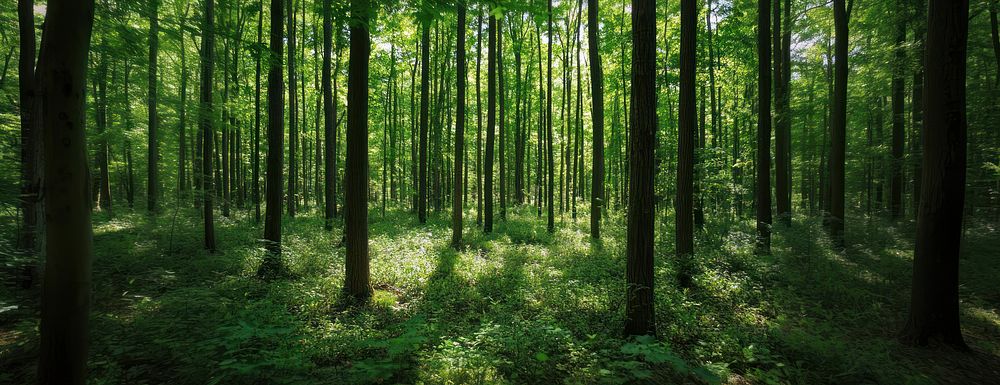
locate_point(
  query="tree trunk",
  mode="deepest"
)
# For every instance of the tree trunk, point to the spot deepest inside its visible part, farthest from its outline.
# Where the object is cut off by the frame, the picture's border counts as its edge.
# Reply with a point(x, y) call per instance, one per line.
point(31, 133)
point(763, 164)
point(686, 141)
point(501, 121)
point(597, 114)
point(152, 170)
point(782, 138)
point(425, 54)
point(639, 315)
point(62, 357)
point(356, 282)
point(293, 118)
point(101, 117)
point(329, 118)
point(898, 114)
point(838, 134)
point(551, 225)
point(206, 120)
point(457, 202)
point(934, 300)
point(919, 29)
point(491, 121)
point(256, 126)
point(275, 146)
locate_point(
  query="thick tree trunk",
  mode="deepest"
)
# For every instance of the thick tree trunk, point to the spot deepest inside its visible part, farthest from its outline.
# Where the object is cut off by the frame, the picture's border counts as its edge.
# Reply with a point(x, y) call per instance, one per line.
point(457, 202)
point(206, 119)
point(639, 315)
point(934, 300)
point(62, 356)
point(275, 146)
point(686, 141)
point(356, 282)
point(763, 164)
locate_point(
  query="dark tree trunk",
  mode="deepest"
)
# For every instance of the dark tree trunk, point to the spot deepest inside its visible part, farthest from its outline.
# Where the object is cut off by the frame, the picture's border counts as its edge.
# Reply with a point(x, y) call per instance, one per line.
point(479, 120)
point(101, 117)
point(182, 151)
point(686, 141)
point(152, 170)
point(919, 28)
point(501, 121)
point(898, 114)
point(62, 356)
point(934, 300)
point(206, 118)
point(551, 225)
point(491, 122)
point(425, 55)
point(31, 133)
point(597, 114)
point(329, 119)
point(838, 131)
point(639, 315)
point(293, 117)
point(275, 146)
point(457, 203)
point(356, 282)
point(763, 165)
point(782, 137)
point(256, 126)
point(994, 36)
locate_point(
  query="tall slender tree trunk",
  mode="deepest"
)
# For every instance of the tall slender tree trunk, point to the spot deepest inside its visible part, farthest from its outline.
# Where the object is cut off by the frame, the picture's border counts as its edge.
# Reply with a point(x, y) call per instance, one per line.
point(182, 179)
point(256, 126)
point(457, 202)
point(206, 118)
point(101, 117)
point(152, 171)
point(501, 119)
point(491, 122)
point(329, 118)
point(425, 54)
point(838, 134)
point(357, 282)
point(31, 133)
point(62, 357)
point(898, 114)
point(597, 114)
point(293, 118)
point(919, 30)
point(934, 300)
point(639, 314)
point(686, 141)
point(551, 225)
point(763, 164)
point(275, 145)
point(479, 120)
point(782, 138)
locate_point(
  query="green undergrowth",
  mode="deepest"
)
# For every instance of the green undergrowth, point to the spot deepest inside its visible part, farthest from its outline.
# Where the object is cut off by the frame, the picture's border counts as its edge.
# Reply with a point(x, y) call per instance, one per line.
point(515, 306)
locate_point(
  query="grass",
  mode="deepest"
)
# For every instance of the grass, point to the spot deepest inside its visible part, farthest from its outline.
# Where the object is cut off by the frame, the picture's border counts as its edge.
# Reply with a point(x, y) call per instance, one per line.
point(515, 306)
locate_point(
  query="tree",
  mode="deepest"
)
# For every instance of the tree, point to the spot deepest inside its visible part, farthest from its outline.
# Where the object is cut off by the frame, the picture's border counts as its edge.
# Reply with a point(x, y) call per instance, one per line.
point(934, 302)
point(62, 357)
point(686, 140)
point(356, 283)
point(152, 171)
point(456, 199)
point(329, 119)
point(898, 114)
point(293, 109)
point(597, 114)
point(551, 225)
point(838, 127)
point(491, 124)
point(275, 145)
point(639, 315)
point(783, 122)
point(31, 145)
point(205, 120)
point(763, 190)
point(425, 53)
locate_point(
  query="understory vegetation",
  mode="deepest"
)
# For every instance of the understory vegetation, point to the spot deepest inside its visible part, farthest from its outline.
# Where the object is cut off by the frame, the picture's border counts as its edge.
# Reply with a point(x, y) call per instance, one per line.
point(516, 306)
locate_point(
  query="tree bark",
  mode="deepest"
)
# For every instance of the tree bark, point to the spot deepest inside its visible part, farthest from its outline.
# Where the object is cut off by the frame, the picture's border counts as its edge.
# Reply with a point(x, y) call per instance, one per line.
point(639, 316)
point(152, 170)
point(206, 118)
point(425, 54)
point(457, 202)
point(357, 275)
point(293, 118)
point(934, 300)
point(491, 122)
point(62, 357)
point(838, 134)
point(686, 141)
point(763, 164)
point(275, 145)
point(551, 225)
point(329, 118)
point(597, 114)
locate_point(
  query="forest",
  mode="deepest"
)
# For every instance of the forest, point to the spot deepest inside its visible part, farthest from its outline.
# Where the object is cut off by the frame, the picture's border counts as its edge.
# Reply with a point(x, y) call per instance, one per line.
point(499, 192)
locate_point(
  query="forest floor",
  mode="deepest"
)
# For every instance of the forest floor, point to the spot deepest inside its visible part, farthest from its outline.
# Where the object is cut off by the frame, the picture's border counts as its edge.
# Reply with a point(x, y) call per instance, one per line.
point(516, 306)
